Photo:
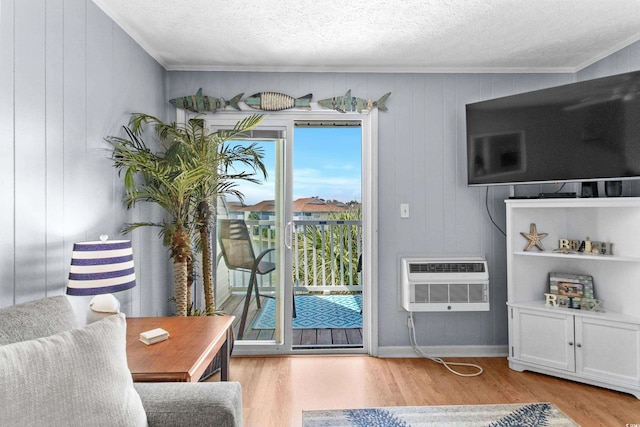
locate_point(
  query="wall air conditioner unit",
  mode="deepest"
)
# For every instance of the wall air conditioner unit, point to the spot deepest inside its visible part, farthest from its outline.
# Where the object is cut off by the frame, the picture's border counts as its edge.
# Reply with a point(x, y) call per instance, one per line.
point(444, 284)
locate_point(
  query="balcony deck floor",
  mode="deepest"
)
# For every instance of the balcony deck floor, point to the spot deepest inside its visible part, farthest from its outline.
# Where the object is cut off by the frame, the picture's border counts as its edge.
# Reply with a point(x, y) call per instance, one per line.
point(302, 338)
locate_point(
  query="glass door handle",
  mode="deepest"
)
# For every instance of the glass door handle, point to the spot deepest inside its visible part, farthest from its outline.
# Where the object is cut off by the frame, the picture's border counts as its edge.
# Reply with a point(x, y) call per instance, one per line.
point(288, 235)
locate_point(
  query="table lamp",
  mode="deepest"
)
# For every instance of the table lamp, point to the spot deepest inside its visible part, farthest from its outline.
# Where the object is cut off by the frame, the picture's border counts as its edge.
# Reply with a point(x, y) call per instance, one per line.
point(100, 268)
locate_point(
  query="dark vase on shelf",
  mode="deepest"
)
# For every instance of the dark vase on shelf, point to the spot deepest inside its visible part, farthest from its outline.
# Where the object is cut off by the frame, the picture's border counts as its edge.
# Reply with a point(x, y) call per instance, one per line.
point(589, 189)
point(613, 188)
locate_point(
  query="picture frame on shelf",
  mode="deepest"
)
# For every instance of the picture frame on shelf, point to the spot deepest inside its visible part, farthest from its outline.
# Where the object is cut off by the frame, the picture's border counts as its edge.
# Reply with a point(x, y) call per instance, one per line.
point(571, 285)
point(570, 289)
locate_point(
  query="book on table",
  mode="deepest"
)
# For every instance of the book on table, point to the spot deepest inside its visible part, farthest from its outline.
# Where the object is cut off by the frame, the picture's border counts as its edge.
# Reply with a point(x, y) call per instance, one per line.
point(154, 336)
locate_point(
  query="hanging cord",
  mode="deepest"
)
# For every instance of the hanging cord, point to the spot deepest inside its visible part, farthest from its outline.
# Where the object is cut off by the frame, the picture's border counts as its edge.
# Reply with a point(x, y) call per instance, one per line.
point(560, 189)
point(486, 204)
point(416, 348)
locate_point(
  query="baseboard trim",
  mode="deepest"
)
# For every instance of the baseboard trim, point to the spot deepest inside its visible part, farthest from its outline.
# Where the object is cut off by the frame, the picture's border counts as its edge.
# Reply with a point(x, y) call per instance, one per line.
point(446, 351)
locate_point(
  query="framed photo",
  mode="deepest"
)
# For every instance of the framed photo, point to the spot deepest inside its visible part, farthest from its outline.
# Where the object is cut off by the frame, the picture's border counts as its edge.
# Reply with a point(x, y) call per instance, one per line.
point(570, 289)
point(571, 285)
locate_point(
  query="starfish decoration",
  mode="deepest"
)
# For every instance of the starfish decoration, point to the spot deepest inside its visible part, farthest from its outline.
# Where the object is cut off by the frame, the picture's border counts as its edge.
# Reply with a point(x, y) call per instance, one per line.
point(534, 238)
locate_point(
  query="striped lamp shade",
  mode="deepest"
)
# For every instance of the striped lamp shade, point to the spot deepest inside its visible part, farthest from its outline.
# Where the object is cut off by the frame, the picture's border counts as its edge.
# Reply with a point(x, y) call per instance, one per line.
point(101, 267)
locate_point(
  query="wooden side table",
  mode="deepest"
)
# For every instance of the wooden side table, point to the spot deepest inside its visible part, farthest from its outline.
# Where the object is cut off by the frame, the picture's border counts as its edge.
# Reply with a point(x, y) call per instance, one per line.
point(193, 343)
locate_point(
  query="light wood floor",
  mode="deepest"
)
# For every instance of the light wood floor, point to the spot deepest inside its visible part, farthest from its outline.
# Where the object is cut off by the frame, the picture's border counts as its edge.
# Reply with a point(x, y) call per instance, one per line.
point(275, 390)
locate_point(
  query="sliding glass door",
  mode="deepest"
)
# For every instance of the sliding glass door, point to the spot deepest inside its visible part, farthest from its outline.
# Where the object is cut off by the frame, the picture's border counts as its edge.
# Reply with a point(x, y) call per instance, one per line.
point(290, 251)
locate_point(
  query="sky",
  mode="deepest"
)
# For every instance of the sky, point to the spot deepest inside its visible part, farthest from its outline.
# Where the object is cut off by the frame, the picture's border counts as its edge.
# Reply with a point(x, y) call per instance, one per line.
point(326, 163)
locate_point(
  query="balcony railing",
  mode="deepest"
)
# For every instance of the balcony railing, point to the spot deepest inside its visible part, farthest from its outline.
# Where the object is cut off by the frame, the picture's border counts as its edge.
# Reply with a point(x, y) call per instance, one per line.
point(325, 256)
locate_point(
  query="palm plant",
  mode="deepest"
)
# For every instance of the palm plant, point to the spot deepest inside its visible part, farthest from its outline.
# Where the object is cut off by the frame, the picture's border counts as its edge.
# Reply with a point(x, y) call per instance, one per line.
point(212, 150)
point(192, 168)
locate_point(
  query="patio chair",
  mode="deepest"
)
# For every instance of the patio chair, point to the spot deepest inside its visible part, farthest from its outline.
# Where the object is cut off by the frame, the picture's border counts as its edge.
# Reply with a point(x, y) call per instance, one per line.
point(237, 250)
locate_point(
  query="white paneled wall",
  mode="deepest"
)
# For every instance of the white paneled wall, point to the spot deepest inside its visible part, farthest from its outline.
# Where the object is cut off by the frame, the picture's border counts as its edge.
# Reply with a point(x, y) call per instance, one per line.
point(69, 77)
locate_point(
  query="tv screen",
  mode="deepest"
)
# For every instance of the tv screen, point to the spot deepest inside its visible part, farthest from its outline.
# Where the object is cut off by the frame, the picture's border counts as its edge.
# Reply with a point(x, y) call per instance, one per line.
point(587, 131)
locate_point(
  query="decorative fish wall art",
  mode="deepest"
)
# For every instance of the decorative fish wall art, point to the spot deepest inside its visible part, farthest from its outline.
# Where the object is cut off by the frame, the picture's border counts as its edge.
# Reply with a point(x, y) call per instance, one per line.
point(199, 103)
point(273, 101)
point(350, 103)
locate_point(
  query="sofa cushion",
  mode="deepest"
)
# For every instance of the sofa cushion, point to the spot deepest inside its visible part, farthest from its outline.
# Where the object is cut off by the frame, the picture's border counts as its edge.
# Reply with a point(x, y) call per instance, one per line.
point(75, 378)
point(192, 404)
point(36, 319)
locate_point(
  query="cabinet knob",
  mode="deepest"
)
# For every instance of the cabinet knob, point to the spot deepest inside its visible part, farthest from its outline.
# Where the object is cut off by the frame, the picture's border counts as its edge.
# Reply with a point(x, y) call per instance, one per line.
point(570, 342)
point(578, 345)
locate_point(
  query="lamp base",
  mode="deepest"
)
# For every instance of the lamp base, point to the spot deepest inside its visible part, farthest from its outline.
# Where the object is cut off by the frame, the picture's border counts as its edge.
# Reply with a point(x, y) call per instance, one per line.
point(105, 303)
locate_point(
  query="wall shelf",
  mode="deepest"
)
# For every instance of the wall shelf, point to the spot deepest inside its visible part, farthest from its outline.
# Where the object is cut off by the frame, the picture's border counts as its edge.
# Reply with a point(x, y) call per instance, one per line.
point(598, 258)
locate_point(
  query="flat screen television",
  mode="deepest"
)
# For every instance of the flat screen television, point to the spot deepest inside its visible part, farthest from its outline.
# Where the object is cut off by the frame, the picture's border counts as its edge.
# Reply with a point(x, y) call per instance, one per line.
point(586, 131)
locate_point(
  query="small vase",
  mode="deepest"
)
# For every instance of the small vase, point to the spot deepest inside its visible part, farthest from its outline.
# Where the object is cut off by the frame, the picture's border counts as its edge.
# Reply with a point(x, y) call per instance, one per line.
point(613, 188)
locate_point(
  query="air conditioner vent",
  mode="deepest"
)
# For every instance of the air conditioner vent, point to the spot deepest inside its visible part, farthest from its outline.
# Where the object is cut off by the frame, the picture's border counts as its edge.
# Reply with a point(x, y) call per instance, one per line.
point(445, 267)
point(444, 284)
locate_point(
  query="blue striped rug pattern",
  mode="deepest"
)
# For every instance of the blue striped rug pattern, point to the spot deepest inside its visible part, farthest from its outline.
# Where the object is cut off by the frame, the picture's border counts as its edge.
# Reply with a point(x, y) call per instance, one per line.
point(522, 415)
point(316, 312)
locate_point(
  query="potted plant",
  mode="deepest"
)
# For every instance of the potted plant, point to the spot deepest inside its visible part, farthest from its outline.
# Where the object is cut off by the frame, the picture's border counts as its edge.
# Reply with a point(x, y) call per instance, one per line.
point(191, 168)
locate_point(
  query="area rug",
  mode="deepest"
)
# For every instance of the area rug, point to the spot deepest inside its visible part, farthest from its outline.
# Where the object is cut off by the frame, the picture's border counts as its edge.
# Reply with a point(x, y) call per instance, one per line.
point(316, 312)
point(521, 415)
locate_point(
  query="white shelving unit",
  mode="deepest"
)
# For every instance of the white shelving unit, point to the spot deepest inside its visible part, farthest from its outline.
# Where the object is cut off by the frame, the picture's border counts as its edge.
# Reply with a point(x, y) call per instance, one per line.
point(598, 348)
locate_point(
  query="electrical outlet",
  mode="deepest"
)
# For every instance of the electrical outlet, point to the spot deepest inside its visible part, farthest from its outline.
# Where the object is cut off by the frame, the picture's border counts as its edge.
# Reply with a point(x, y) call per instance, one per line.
point(404, 210)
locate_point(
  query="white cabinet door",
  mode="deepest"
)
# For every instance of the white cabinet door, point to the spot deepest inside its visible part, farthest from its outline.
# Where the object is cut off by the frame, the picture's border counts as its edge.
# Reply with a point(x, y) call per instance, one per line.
point(608, 350)
point(544, 338)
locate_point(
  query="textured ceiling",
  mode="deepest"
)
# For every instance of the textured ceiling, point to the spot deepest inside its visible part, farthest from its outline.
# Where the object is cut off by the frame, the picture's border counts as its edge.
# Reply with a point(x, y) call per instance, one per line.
point(378, 35)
